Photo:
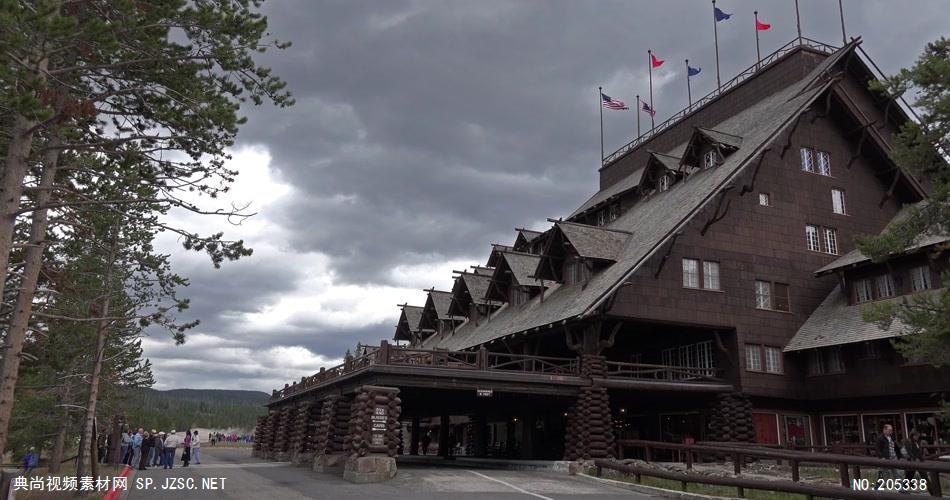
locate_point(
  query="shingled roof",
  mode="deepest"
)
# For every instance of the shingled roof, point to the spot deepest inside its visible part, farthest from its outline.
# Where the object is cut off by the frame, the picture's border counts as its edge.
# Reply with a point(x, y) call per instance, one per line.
point(835, 322)
point(654, 220)
point(469, 287)
point(626, 184)
point(408, 324)
point(594, 242)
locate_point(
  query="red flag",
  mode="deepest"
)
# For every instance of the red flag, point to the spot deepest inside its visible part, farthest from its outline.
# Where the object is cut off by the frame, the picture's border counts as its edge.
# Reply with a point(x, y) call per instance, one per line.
point(760, 26)
point(656, 62)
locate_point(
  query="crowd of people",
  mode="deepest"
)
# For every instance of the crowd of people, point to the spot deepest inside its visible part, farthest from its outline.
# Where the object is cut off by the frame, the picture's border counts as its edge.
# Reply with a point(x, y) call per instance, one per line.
point(893, 448)
point(143, 449)
point(220, 437)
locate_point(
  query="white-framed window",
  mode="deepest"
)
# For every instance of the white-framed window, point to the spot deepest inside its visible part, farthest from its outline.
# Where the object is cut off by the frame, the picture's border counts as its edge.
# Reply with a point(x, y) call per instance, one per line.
point(710, 159)
point(710, 275)
point(664, 183)
point(831, 241)
point(773, 359)
point(920, 278)
point(812, 241)
point(862, 291)
point(690, 273)
point(765, 199)
point(837, 201)
point(808, 159)
point(753, 357)
point(763, 295)
point(884, 285)
point(824, 162)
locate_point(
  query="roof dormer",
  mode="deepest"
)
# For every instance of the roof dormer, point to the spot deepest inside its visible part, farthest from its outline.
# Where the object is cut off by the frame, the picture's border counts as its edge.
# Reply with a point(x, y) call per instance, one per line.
point(469, 294)
point(436, 317)
point(407, 328)
point(515, 273)
point(661, 172)
point(528, 241)
point(708, 148)
point(573, 244)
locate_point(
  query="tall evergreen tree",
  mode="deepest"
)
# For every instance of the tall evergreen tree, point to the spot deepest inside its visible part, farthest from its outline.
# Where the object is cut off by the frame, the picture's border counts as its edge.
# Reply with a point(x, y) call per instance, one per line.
point(923, 147)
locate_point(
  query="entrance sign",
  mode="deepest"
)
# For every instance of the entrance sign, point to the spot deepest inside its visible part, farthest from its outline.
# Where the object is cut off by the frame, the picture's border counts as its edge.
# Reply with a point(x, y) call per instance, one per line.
point(484, 393)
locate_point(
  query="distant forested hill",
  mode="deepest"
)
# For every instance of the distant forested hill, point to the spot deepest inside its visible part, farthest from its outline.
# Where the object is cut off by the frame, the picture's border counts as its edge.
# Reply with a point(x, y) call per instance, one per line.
point(185, 408)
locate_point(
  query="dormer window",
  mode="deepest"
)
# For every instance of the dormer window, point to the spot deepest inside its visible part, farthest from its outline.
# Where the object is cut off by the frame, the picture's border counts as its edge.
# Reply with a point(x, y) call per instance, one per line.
point(710, 159)
point(601, 217)
point(664, 182)
point(613, 212)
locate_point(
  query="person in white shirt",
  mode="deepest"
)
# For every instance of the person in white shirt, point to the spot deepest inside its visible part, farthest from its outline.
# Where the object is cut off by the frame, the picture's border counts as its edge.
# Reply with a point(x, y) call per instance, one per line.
point(171, 444)
point(196, 448)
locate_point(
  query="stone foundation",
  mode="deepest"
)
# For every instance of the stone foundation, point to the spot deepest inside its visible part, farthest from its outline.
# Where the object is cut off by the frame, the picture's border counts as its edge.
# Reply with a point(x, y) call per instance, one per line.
point(370, 469)
point(329, 463)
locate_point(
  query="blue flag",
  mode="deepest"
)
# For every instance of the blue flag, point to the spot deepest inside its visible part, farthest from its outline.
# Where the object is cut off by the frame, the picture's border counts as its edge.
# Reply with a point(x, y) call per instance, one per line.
point(720, 15)
point(691, 71)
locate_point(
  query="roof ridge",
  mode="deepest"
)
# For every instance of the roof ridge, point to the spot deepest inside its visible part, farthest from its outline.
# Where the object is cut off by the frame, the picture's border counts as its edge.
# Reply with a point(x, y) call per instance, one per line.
point(603, 228)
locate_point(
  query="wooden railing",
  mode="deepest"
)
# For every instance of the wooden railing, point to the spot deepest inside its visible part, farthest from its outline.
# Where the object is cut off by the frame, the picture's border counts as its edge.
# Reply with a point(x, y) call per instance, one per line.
point(852, 485)
point(533, 364)
point(641, 371)
point(748, 72)
point(481, 359)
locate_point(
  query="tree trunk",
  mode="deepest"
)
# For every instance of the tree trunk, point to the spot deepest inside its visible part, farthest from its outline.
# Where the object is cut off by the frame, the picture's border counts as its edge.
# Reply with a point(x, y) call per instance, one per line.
point(23, 309)
point(56, 456)
point(102, 331)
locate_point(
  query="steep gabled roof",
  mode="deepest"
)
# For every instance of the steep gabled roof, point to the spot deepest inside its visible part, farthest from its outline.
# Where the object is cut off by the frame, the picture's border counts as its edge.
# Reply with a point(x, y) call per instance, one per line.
point(668, 162)
point(835, 322)
point(701, 135)
point(468, 287)
point(483, 271)
point(408, 324)
point(593, 242)
point(654, 220)
point(495, 256)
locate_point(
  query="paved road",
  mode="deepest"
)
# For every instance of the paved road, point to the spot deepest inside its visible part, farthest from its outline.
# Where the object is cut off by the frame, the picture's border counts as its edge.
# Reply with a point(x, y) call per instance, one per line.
point(245, 477)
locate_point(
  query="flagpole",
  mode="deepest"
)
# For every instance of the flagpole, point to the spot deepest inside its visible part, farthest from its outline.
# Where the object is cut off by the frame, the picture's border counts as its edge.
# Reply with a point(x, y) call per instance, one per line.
point(600, 106)
point(638, 115)
point(758, 54)
point(798, 23)
point(689, 91)
point(650, 66)
point(716, 39)
point(844, 37)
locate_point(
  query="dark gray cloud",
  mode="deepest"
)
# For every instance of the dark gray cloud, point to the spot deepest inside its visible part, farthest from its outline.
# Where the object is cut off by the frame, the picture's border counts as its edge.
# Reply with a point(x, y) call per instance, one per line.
point(425, 130)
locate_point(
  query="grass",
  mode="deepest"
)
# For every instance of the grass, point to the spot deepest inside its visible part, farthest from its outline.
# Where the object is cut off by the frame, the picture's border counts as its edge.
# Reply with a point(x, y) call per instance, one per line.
point(709, 489)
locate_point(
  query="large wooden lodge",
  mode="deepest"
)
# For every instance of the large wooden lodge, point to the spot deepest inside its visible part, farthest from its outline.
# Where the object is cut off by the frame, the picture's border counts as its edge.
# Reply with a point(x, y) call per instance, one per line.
point(710, 290)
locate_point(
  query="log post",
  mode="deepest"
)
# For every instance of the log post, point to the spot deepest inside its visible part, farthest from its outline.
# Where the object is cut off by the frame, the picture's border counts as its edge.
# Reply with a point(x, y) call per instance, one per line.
point(444, 424)
point(414, 444)
point(737, 463)
point(795, 471)
point(383, 356)
point(373, 434)
point(845, 480)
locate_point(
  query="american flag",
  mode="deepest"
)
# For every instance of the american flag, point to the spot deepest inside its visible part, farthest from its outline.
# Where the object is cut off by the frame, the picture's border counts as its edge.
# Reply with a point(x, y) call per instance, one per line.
point(647, 109)
point(611, 103)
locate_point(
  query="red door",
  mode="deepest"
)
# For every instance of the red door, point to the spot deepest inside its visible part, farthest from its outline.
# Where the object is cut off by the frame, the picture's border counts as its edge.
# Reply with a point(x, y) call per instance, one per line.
point(766, 428)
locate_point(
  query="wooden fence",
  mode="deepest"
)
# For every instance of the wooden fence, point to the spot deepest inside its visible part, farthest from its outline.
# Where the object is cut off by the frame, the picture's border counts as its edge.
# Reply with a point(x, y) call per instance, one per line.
point(852, 485)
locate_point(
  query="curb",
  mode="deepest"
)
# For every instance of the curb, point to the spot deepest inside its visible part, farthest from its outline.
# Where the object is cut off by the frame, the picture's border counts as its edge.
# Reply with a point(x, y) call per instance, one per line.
point(114, 493)
point(650, 490)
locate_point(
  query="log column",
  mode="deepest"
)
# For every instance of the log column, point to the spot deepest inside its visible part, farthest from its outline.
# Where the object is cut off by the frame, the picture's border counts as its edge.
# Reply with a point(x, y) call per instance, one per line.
point(589, 433)
point(259, 431)
point(374, 434)
point(284, 429)
point(301, 445)
point(330, 433)
point(731, 419)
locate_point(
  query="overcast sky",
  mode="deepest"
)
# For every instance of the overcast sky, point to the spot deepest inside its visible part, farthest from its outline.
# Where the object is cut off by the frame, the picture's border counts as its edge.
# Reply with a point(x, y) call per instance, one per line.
point(425, 130)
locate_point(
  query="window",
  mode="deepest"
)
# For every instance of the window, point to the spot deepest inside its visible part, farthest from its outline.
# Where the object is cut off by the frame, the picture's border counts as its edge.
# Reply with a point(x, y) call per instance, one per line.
point(872, 350)
point(808, 160)
point(753, 357)
point(874, 424)
point(575, 271)
point(710, 159)
point(602, 218)
point(771, 296)
point(690, 273)
point(831, 241)
point(824, 163)
point(920, 278)
point(884, 285)
point(811, 238)
point(765, 199)
point(763, 295)
point(798, 430)
point(862, 291)
point(825, 360)
point(518, 295)
point(842, 429)
point(613, 212)
point(664, 182)
point(811, 156)
point(837, 201)
point(773, 359)
point(710, 275)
